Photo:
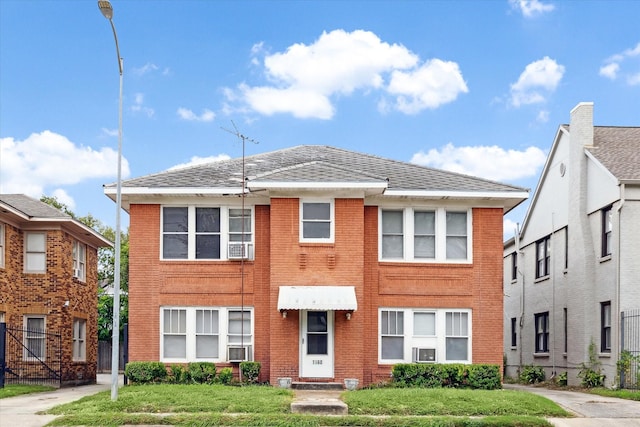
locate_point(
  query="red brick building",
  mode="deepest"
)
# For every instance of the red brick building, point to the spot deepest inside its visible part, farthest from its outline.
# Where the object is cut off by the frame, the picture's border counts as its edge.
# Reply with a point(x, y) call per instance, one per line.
point(328, 264)
point(48, 286)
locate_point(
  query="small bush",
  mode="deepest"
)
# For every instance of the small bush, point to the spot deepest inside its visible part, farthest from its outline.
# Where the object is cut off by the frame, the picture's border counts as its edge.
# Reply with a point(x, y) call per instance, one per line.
point(561, 379)
point(590, 372)
point(532, 374)
point(431, 375)
point(202, 372)
point(225, 376)
point(145, 372)
point(250, 371)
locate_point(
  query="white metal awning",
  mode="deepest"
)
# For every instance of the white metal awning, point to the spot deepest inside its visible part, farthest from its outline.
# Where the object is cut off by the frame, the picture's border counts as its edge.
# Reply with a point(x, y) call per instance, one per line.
point(317, 298)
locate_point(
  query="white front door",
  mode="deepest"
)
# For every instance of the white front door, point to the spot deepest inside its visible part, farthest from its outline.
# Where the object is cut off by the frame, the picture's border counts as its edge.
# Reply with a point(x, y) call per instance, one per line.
point(316, 344)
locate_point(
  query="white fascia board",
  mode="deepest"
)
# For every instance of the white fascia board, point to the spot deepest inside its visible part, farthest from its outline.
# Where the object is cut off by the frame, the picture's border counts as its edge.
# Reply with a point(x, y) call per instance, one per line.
point(10, 209)
point(172, 190)
point(601, 166)
point(276, 185)
point(458, 194)
point(82, 228)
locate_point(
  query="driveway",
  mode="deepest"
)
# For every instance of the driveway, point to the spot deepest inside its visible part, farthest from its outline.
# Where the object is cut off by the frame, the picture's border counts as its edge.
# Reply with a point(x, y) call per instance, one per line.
point(22, 410)
point(590, 410)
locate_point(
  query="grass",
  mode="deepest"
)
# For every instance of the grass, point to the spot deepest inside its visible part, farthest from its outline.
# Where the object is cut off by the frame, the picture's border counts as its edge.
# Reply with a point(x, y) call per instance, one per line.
point(619, 393)
point(213, 405)
point(18, 389)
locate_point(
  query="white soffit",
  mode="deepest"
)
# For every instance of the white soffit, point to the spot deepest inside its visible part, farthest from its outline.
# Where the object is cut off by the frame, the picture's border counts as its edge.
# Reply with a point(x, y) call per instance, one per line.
point(317, 298)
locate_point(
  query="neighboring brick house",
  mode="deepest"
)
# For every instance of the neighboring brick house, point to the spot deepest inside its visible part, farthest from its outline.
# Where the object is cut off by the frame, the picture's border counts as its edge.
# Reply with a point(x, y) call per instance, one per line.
point(352, 263)
point(48, 285)
point(573, 269)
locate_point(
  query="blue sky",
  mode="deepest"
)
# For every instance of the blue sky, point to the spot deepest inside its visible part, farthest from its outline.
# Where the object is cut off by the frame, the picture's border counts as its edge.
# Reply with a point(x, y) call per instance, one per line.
point(477, 87)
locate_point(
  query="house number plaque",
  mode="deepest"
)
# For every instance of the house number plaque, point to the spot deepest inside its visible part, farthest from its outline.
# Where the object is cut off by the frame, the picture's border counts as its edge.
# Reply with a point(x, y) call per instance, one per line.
point(317, 362)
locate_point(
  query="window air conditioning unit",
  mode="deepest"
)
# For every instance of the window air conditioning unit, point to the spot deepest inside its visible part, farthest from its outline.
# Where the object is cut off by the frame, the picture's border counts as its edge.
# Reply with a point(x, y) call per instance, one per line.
point(76, 272)
point(237, 353)
point(424, 355)
point(240, 251)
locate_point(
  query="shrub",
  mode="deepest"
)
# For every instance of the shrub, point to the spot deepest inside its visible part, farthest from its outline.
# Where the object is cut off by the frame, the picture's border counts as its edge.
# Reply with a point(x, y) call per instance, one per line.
point(590, 373)
point(454, 375)
point(202, 372)
point(145, 372)
point(532, 374)
point(178, 374)
point(225, 376)
point(250, 371)
point(562, 379)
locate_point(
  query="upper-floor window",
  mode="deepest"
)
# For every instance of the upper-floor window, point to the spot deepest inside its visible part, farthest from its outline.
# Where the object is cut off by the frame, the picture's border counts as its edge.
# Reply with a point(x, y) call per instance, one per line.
point(514, 332)
point(607, 226)
point(514, 266)
point(543, 257)
point(34, 345)
point(1, 245)
point(205, 333)
point(542, 332)
point(417, 234)
point(190, 232)
point(605, 327)
point(79, 261)
point(35, 260)
point(316, 221)
point(79, 340)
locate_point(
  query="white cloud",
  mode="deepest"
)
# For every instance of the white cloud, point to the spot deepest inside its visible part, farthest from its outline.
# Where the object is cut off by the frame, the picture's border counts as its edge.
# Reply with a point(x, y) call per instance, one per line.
point(110, 132)
point(303, 79)
point(490, 162)
point(63, 197)
point(543, 116)
point(435, 83)
point(612, 67)
point(146, 68)
point(509, 228)
point(45, 162)
point(539, 79)
point(195, 160)
point(531, 8)
point(139, 107)
point(186, 114)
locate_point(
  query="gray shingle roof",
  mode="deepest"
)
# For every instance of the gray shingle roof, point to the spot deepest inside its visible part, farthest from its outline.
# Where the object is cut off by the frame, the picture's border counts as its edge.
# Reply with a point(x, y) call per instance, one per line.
point(31, 207)
point(618, 149)
point(314, 163)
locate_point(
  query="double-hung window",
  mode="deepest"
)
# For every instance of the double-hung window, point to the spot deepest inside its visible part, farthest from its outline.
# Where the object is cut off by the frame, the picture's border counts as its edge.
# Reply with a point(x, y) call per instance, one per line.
point(203, 233)
point(542, 332)
point(392, 334)
point(34, 347)
point(204, 333)
point(514, 332)
point(424, 335)
point(514, 266)
point(35, 252)
point(605, 327)
point(543, 257)
point(79, 340)
point(424, 235)
point(317, 222)
point(79, 261)
point(607, 227)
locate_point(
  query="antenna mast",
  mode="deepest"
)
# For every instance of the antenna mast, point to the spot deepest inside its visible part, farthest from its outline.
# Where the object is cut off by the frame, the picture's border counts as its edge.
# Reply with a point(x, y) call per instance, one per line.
point(242, 137)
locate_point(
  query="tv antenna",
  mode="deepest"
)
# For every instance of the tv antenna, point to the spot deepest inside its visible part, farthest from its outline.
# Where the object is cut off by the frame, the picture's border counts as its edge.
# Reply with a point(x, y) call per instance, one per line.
point(244, 139)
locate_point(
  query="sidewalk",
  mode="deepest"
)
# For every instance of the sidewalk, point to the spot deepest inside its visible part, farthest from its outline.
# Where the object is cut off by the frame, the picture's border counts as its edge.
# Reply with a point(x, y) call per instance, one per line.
point(590, 410)
point(22, 410)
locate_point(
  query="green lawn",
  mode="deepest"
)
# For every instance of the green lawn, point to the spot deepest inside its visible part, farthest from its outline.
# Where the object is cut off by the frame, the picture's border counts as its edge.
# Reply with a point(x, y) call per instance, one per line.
point(620, 394)
point(213, 405)
point(18, 389)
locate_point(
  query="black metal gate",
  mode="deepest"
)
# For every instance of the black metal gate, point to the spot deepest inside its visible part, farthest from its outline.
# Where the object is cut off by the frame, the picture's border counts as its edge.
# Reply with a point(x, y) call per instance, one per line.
point(630, 345)
point(29, 356)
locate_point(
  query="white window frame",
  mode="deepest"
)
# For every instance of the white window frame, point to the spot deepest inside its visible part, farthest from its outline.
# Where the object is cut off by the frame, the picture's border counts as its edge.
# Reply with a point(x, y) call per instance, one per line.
point(29, 252)
point(437, 341)
point(190, 333)
point(80, 261)
point(31, 335)
point(331, 219)
point(440, 235)
point(191, 231)
point(457, 332)
point(79, 340)
point(2, 245)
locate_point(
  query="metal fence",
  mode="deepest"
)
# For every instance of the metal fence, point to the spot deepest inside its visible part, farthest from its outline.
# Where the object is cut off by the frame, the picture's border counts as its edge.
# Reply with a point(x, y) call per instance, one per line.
point(630, 344)
point(30, 356)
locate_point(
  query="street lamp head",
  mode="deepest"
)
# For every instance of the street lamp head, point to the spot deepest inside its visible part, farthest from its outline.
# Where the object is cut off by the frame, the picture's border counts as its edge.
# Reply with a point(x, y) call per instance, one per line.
point(105, 8)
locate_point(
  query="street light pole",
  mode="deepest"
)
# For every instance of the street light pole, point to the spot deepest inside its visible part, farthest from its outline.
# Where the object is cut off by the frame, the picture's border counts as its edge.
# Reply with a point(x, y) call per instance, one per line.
point(107, 11)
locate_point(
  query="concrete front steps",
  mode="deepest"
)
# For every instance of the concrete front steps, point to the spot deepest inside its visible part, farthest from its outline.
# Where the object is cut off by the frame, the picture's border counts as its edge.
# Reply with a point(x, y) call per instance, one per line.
point(318, 399)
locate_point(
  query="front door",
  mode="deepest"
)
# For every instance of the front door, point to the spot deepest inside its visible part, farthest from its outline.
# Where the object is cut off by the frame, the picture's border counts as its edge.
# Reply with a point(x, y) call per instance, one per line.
point(316, 344)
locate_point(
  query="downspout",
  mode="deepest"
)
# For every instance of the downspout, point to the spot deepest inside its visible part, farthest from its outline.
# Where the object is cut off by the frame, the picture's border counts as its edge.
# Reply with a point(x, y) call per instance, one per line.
point(519, 258)
point(553, 295)
point(618, 269)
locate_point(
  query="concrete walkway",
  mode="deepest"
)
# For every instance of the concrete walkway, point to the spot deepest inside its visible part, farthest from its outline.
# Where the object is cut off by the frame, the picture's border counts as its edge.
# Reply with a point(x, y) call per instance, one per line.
point(590, 410)
point(22, 411)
